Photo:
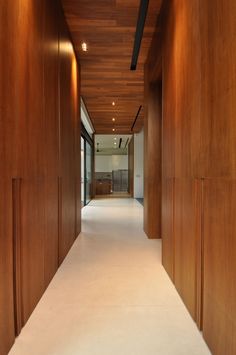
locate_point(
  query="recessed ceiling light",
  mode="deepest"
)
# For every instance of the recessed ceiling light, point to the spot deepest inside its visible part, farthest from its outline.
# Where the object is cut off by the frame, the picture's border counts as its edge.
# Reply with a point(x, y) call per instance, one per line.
point(113, 103)
point(84, 47)
point(115, 143)
point(113, 119)
point(113, 129)
point(115, 138)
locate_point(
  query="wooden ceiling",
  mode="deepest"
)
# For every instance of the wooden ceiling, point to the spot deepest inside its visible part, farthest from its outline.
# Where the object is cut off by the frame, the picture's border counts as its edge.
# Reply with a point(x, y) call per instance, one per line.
point(108, 27)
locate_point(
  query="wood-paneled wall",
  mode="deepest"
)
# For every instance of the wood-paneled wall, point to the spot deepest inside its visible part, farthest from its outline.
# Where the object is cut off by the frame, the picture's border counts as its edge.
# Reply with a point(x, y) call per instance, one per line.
point(39, 155)
point(218, 149)
point(181, 146)
point(152, 150)
point(199, 160)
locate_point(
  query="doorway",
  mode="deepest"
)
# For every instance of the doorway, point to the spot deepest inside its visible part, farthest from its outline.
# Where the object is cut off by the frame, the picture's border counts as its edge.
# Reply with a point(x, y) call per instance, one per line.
point(86, 170)
point(112, 165)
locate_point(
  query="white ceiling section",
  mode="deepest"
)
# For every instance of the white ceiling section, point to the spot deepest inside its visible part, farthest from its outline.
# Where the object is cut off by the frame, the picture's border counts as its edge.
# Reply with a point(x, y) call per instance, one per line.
point(108, 144)
point(107, 141)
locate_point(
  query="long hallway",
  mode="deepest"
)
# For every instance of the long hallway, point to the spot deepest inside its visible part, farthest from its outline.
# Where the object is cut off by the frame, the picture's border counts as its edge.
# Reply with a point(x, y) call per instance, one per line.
point(111, 296)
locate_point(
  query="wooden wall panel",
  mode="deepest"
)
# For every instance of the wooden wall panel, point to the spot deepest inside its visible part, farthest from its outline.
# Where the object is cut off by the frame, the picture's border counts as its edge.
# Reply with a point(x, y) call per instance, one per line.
point(218, 146)
point(7, 331)
point(39, 148)
point(29, 122)
point(218, 62)
point(8, 15)
point(51, 138)
point(69, 144)
point(187, 241)
point(199, 155)
point(181, 96)
point(77, 132)
point(17, 255)
point(32, 243)
point(51, 91)
point(152, 165)
point(168, 106)
point(167, 226)
point(181, 147)
point(51, 238)
point(219, 322)
point(8, 40)
point(68, 217)
point(29, 86)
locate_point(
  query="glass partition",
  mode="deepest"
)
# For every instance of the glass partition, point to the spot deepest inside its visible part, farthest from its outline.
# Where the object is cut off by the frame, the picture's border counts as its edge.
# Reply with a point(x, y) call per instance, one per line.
point(88, 172)
point(82, 172)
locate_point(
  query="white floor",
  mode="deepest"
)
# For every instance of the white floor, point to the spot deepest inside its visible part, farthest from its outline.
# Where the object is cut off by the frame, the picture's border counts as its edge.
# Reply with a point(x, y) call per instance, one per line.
point(111, 296)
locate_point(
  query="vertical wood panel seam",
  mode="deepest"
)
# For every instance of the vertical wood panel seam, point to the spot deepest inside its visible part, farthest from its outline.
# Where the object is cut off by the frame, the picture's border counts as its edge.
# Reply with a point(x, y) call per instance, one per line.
point(202, 251)
point(173, 226)
point(17, 271)
point(59, 182)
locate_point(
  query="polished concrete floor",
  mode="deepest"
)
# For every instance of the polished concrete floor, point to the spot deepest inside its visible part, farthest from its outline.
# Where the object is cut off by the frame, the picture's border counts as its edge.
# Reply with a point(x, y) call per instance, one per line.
point(111, 296)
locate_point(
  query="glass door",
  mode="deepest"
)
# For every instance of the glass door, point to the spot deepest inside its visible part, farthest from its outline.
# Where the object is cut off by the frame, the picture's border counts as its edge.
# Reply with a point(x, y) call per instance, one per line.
point(88, 172)
point(82, 172)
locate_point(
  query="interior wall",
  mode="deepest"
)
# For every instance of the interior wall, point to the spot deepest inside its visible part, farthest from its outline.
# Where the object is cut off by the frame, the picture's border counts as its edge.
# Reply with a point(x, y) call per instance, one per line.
point(199, 159)
point(107, 163)
point(152, 154)
point(138, 164)
point(181, 143)
point(39, 155)
point(131, 166)
point(218, 149)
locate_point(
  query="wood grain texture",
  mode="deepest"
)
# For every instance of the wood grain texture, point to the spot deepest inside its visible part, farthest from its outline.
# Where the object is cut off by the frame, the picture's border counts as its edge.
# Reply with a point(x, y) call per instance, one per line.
point(39, 146)
point(77, 151)
point(187, 237)
point(181, 108)
point(8, 40)
point(7, 329)
point(219, 309)
point(199, 220)
point(218, 142)
point(167, 226)
point(108, 27)
point(199, 156)
point(218, 146)
point(32, 244)
point(51, 236)
point(17, 238)
point(152, 162)
point(51, 138)
point(181, 148)
point(68, 109)
point(30, 87)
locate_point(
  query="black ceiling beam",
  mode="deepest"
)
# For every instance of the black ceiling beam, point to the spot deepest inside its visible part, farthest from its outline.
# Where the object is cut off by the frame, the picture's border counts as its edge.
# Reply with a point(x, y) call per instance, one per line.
point(120, 142)
point(136, 117)
point(139, 32)
point(127, 142)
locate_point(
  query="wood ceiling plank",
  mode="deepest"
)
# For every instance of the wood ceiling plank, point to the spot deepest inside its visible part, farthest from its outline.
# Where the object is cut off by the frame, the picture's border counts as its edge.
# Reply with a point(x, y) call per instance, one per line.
point(108, 27)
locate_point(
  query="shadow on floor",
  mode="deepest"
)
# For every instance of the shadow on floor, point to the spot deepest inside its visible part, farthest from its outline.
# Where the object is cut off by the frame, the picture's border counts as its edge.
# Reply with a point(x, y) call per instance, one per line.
point(140, 200)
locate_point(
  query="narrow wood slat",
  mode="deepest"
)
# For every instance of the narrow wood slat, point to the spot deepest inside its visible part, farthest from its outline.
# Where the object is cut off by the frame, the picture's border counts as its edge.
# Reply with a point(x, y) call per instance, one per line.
point(16, 197)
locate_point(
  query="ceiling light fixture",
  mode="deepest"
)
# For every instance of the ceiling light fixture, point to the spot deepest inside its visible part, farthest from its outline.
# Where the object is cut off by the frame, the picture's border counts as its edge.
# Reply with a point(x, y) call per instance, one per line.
point(113, 119)
point(113, 103)
point(113, 129)
point(84, 47)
